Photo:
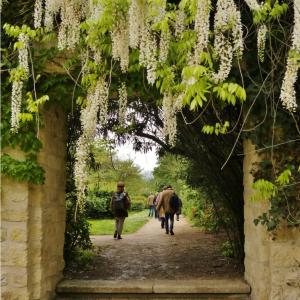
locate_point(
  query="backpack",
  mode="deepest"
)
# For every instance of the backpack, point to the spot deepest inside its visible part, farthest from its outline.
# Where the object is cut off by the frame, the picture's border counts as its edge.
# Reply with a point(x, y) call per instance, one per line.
point(119, 201)
point(174, 202)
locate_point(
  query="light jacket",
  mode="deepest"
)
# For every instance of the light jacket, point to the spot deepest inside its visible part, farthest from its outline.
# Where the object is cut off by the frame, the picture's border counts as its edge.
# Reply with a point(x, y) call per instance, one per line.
point(164, 201)
point(150, 200)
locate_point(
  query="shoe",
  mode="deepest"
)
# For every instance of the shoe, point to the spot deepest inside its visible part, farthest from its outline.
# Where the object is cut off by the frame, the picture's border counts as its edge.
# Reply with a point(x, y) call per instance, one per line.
point(115, 235)
point(177, 219)
point(172, 233)
point(119, 237)
point(167, 232)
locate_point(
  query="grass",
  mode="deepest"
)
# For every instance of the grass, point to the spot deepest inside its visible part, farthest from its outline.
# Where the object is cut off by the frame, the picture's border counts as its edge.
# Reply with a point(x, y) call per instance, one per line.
point(133, 223)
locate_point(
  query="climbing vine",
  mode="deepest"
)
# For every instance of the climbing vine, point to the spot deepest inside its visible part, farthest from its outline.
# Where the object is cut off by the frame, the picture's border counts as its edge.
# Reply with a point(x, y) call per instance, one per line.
point(190, 51)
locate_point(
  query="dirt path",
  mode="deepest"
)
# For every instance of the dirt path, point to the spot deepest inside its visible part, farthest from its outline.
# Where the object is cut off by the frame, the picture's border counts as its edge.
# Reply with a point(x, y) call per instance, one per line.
point(152, 254)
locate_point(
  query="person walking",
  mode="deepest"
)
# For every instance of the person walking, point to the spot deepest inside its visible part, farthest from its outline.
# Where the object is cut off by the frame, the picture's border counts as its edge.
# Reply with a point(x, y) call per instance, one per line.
point(120, 203)
point(178, 212)
point(151, 206)
point(169, 202)
point(160, 211)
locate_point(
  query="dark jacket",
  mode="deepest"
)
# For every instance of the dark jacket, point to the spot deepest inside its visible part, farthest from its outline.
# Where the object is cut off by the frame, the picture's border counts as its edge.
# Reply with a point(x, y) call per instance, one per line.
point(119, 212)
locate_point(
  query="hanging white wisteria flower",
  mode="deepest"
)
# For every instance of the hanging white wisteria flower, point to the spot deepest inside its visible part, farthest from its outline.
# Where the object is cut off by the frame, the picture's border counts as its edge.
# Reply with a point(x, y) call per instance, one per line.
point(179, 24)
point(164, 45)
point(16, 102)
point(136, 18)
point(170, 107)
point(157, 10)
point(296, 30)
point(261, 41)
point(69, 29)
point(288, 93)
point(224, 47)
point(38, 13)
point(201, 27)
point(253, 4)
point(225, 62)
point(101, 92)
point(81, 169)
point(52, 7)
point(95, 10)
point(237, 33)
point(23, 53)
point(120, 43)
point(122, 103)
point(96, 101)
point(148, 53)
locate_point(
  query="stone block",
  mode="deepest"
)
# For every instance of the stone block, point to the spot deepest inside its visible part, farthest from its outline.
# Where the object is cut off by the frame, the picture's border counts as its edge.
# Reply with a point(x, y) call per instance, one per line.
point(3, 234)
point(19, 278)
point(15, 294)
point(15, 254)
point(18, 234)
point(14, 215)
point(284, 255)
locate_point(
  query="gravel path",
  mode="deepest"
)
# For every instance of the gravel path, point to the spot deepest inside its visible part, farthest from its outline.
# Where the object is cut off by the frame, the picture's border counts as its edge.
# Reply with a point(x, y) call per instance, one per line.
point(151, 254)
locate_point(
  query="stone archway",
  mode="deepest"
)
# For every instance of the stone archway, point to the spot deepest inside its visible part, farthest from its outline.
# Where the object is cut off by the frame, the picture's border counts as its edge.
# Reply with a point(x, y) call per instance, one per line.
point(33, 223)
point(33, 220)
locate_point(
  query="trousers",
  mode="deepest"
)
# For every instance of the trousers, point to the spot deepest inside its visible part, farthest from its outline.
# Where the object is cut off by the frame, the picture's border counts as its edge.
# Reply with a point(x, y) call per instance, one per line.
point(119, 224)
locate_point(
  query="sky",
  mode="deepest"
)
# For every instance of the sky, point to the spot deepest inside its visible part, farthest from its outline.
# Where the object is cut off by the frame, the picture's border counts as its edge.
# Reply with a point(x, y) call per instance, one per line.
point(146, 161)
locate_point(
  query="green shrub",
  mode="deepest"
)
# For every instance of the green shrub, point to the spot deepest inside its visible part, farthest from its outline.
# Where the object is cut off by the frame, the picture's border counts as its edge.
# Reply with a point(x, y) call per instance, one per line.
point(83, 258)
point(137, 205)
point(97, 205)
point(227, 249)
point(77, 230)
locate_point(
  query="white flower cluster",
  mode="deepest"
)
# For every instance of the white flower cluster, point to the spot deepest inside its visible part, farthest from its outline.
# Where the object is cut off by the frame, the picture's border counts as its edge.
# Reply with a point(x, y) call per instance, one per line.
point(136, 16)
point(179, 24)
point(201, 27)
point(227, 13)
point(157, 10)
point(120, 43)
point(296, 31)
point(94, 10)
point(69, 29)
point(122, 103)
point(38, 13)
point(102, 93)
point(170, 107)
point(16, 102)
point(148, 53)
point(237, 33)
point(17, 85)
point(52, 7)
point(164, 45)
point(288, 93)
point(261, 41)
point(96, 101)
point(253, 4)
point(23, 53)
point(80, 168)
point(226, 56)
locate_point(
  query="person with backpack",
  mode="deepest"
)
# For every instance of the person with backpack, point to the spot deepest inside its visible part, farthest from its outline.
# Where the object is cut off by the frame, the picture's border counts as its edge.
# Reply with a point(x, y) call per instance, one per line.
point(178, 213)
point(169, 201)
point(120, 203)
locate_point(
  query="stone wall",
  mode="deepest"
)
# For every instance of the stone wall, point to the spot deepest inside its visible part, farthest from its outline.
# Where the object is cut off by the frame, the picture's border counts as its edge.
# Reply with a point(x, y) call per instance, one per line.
point(33, 221)
point(272, 266)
